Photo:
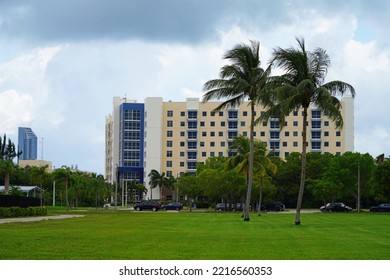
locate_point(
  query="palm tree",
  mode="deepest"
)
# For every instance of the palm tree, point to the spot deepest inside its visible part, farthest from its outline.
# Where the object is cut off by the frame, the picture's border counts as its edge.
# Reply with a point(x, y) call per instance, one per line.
point(158, 180)
point(7, 154)
point(242, 79)
point(64, 174)
point(301, 85)
point(240, 162)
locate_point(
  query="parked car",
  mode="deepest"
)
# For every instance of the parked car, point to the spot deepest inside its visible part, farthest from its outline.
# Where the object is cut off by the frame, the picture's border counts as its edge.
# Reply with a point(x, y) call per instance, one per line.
point(384, 207)
point(335, 207)
point(222, 207)
point(149, 205)
point(173, 206)
point(275, 206)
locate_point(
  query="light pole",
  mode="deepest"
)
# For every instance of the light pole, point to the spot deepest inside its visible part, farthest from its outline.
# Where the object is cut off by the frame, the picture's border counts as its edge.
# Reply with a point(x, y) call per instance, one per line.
point(116, 188)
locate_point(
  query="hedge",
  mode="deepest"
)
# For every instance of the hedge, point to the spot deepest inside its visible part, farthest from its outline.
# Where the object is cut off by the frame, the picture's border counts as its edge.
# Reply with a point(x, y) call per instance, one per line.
point(10, 212)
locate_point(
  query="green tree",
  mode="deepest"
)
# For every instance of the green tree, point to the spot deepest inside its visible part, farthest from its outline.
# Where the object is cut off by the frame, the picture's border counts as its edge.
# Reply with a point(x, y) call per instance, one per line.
point(64, 175)
point(7, 155)
point(188, 185)
point(381, 189)
point(158, 180)
point(301, 85)
point(240, 162)
point(242, 79)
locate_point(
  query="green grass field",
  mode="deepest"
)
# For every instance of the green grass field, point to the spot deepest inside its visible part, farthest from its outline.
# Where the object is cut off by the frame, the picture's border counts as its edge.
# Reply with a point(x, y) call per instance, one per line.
point(126, 235)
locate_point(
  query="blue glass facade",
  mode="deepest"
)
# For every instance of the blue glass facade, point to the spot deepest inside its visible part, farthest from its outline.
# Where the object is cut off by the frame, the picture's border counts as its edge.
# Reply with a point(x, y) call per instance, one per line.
point(27, 144)
point(131, 161)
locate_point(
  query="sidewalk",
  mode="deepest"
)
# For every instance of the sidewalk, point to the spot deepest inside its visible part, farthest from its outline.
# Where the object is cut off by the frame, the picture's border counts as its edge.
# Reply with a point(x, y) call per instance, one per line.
point(35, 219)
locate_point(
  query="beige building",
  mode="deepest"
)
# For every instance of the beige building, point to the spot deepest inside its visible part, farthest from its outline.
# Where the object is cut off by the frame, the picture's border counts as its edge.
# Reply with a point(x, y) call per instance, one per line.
point(177, 135)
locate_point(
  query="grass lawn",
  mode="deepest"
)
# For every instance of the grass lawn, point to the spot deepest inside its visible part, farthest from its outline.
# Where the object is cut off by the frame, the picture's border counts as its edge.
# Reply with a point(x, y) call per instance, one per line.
point(199, 236)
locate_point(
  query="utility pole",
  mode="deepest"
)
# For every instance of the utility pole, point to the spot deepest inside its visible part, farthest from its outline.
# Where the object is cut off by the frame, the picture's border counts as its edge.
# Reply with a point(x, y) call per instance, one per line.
point(358, 195)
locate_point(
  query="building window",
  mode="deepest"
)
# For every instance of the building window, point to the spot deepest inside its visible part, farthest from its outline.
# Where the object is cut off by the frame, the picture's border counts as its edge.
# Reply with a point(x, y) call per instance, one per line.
point(245, 113)
point(315, 114)
point(287, 133)
point(274, 124)
point(212, 114)
point(232, 125)
point(169, 133)
point(295, 144)
point(192, 134)
point(262, 133)
point(182, 114)
point(338, 144)
point(182, 144)
point(192, 114)
point(233, 114)
point(222, 123)
point(182, 164)
point(212, 123)
point(286, 154)
point(315, 124)
point(182, 123)
point(169, 153)
point(169, 123)
point(201, 123)
point(204, 114)
point(182, 154)
point(220, 134)
point(201, 144)
point(295, 133)
point(192, 125)
point(204, 133)
point(212, 133)
point(223, 144)
point(274, 145)
point(212, 144)
point(316, 135)
point(274, 134)
point(169, 163)
point(182, 133)
point(221, 114)
point(192, 145)
point(191, 165)
point(212, 154)
point(326, 133)
point(284, 144)
point(326, 123)
point(169, 143)
point(245, 134)
point(242, 123)
point(338, 133)
point(191, 155)
point(295, 113)
point(204, 154)
point(220, 154)
point(295, 123)
point(169, 113)
point(326, 144)
point(316, 145)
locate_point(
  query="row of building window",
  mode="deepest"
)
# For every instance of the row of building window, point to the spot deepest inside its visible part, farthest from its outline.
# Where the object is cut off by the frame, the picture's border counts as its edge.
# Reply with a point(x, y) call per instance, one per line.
point(274, 145)
point(273, 134)
point(234, 124)
point(233, 114)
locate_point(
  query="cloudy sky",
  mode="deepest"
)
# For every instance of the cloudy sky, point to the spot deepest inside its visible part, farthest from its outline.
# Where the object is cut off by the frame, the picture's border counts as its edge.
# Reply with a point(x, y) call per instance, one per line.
point(61, 62)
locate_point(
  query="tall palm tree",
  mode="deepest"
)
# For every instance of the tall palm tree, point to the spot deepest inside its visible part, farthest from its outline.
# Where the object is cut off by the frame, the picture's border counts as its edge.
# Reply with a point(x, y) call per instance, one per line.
point(242, 79)
point(240, 162)
point(301, 85)
point(158, 180)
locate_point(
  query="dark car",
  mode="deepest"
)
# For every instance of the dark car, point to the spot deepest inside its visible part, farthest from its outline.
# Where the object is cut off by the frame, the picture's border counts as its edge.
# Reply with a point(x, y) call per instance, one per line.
point(384, 207)
point(147, 205)
point(173, 206)
point(222, 207)
point(275, 206)
point(335, 207)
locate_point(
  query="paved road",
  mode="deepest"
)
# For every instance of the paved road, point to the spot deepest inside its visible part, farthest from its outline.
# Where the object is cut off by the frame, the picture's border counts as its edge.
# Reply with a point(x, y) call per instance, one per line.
point(35, 219)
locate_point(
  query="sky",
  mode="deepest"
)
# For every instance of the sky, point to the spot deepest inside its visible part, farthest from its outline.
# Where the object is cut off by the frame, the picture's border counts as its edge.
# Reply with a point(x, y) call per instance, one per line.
point(62, 62)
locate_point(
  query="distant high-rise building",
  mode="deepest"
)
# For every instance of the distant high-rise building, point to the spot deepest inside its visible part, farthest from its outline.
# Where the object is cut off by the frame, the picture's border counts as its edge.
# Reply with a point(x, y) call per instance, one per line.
point(27, 144)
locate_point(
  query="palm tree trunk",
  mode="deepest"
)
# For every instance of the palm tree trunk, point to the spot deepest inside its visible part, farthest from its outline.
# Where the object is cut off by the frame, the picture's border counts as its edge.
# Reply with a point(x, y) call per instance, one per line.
point(303, 169)
point(250, 174)
point(6, 183)
point(260, 193)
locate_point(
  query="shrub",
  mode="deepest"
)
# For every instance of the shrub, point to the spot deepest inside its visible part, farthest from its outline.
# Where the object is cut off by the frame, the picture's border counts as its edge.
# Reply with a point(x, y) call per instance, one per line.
point(11, 212)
